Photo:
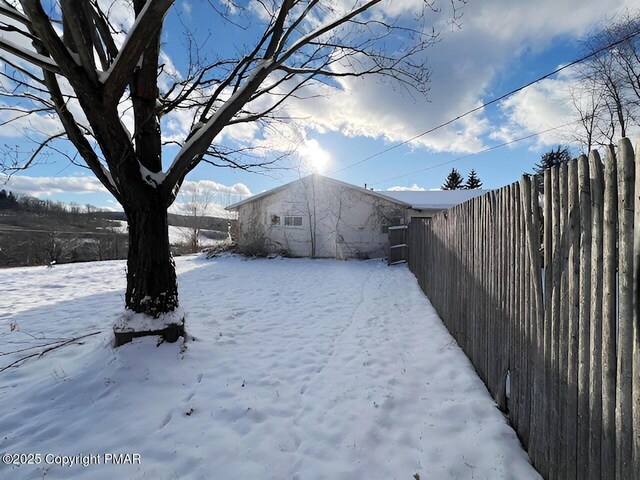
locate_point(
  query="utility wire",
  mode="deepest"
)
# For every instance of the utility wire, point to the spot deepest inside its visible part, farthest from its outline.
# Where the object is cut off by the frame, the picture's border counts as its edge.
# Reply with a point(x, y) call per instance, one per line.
point(533, 135)
point(497, 99)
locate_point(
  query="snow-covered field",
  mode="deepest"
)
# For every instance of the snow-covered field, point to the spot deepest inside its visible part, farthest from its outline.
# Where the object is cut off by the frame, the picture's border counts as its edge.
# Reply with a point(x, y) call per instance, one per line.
point(300, 369)
point(180, 235)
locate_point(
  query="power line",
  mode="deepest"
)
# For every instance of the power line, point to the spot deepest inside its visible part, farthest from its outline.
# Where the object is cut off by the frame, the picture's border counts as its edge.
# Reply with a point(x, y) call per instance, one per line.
point(497, 99)
point(533, 135)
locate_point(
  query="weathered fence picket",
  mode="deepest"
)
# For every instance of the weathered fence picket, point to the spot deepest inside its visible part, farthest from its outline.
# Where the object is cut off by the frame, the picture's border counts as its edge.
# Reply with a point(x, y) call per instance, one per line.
point(541, 300)
point(595, 327)
point(573, 319)
point(624, 377)
point(584, 194)
point(563, 314)
point(609, 318)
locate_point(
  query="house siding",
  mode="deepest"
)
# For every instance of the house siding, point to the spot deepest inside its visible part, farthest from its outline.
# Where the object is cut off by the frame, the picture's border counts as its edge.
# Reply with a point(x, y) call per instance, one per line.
point(337, 221)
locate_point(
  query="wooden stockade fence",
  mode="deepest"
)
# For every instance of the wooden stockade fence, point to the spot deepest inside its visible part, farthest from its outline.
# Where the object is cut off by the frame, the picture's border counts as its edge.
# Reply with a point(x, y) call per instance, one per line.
point(539, 295)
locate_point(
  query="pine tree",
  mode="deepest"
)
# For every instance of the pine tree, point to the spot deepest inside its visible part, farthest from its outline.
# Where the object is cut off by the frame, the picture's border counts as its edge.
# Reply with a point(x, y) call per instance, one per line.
point(473, 181)
point(7, 200)
point(454, 181)
point(555, 156)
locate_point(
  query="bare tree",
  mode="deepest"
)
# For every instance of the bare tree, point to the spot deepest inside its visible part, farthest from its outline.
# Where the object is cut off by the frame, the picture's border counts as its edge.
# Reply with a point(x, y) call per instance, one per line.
point(77, 63)
point(607, 95)
point(594, 125)
point(196, 209)
point(56, 249)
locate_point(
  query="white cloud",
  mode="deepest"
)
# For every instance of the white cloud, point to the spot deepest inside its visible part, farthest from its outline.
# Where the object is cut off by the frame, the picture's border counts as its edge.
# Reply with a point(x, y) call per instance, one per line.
point(541, 107)
point(47, 186)
point(208, 197)
point(412, 188)
point(546, 105)
point(17, 125)
point(464, 64)
point(191, 186)
point(219, 195)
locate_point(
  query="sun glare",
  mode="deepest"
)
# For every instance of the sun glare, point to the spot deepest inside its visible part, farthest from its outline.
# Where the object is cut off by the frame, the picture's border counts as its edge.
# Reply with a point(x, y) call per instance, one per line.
point(316, 158)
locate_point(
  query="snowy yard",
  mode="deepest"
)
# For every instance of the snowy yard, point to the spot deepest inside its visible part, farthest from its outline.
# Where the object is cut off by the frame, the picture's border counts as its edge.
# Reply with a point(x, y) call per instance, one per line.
point(300, 369)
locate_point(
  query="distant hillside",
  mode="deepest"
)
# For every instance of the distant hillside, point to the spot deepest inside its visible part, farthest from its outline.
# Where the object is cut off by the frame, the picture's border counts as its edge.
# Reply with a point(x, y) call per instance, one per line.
point(32, 237)
point(41, 232)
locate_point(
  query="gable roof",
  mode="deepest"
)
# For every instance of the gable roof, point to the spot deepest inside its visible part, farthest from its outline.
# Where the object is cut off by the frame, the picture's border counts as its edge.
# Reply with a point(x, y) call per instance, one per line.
point(434, 199)
point(373, 193)
point(417, 200)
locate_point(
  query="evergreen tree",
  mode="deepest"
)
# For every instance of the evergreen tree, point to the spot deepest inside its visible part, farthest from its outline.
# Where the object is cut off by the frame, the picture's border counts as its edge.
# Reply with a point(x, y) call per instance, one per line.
point(7, 200)
point(473, 181)
point(454, 181)
point(555, 156)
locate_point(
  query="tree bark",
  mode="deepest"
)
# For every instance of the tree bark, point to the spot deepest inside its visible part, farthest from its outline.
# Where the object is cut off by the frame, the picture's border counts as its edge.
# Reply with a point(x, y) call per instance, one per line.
point(151, 277)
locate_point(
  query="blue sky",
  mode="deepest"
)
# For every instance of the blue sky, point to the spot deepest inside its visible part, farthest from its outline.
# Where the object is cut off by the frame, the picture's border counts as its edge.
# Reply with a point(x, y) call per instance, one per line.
point(501, 44)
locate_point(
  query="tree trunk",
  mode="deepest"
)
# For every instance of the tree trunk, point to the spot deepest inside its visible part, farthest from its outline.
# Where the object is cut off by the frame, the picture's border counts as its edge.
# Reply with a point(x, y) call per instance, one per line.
point(152, 288)
point(151, 277)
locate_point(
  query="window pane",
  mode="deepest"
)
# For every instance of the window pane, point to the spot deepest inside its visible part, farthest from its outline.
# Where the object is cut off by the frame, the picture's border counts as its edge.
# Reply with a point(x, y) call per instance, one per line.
point(293, 221)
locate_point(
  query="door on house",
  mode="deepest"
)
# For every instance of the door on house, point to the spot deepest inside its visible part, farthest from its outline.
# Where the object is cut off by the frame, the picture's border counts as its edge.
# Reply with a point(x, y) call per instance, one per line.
point(398, 249)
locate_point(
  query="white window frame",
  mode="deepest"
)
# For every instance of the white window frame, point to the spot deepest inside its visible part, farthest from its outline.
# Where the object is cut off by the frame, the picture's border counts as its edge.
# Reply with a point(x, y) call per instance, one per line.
point(291, 218)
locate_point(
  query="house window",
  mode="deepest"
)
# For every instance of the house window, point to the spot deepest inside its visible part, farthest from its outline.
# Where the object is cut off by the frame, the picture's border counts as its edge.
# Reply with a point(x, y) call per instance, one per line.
point(292, 221)
point(275, 219)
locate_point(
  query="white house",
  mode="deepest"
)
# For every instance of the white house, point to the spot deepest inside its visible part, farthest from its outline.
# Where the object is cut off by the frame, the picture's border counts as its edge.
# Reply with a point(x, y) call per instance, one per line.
point(317, 216)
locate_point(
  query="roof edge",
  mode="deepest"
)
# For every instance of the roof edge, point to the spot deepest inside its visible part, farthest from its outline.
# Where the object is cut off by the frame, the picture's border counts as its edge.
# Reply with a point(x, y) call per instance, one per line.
point(258, 196)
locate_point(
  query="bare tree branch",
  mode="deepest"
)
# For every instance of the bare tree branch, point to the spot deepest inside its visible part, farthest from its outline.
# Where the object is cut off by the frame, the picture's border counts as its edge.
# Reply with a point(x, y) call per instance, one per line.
point(32, 57)
point(148, 22)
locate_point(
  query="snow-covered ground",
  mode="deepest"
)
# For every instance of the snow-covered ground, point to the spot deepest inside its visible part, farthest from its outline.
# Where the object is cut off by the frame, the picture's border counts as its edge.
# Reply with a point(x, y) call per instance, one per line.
point(185, 206)
point(300, 369)
point(180, 235)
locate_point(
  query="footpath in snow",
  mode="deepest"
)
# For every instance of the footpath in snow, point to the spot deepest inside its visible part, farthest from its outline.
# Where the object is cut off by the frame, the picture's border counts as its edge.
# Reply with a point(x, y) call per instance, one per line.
point(300, 369)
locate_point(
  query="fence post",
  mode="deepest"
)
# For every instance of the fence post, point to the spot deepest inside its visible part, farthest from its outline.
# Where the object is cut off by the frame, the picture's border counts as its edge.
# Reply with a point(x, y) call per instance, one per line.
point(624, 376)
point(547, 243)
point(529, 196)
point(554, 293)
point(563, 318)
point(609, 318)
point(573, 241)
point(585, 309)
point(595, 327)
point(636, 320)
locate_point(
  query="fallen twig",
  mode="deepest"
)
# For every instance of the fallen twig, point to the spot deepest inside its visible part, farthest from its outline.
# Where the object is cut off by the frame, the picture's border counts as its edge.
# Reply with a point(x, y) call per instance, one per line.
point(28, 348)
point(40, 354)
